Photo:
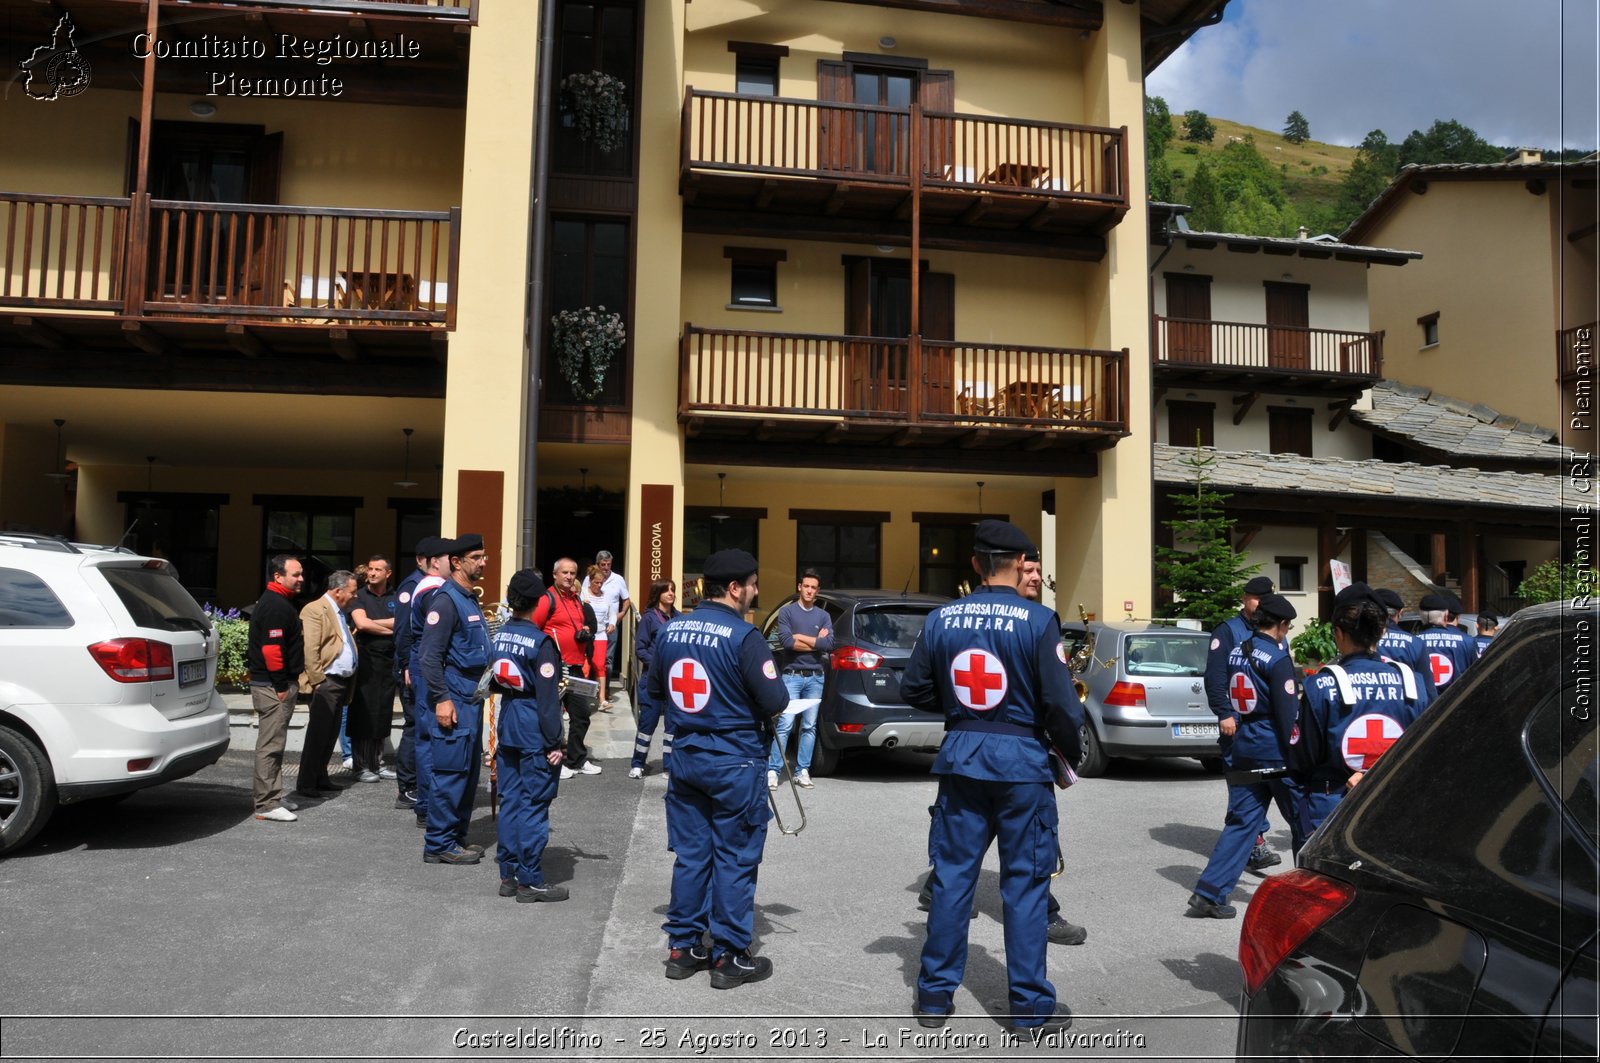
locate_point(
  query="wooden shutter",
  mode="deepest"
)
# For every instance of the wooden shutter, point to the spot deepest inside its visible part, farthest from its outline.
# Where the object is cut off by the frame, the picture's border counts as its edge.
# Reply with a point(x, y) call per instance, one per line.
point(1188, 300)
point(833, 124)
point(1289, 431)
point(938, 323)
point(1191, 424)
point(937, 92)
point(1288, 314)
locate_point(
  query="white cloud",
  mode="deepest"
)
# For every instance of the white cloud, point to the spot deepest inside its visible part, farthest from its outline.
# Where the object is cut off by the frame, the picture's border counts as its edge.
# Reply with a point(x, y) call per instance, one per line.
point(1397, 65)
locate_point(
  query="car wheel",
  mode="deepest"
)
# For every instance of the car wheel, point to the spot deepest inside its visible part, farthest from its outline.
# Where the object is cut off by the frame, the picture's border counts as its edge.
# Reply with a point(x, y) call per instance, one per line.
point(1214, 765)
point(27, 790)
point(1093, 760)
point(824, 758)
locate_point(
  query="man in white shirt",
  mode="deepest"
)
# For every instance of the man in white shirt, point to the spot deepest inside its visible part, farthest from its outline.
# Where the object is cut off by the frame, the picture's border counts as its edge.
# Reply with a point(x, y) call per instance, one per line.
point(615, 588)
point(330, 668)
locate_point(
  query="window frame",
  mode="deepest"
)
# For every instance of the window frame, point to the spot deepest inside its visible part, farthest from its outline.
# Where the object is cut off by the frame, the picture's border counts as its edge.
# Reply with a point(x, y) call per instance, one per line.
point(1288, 425)
point(1430, 330)
point(836, 521)
point(1298, 566)
point(1195, 409)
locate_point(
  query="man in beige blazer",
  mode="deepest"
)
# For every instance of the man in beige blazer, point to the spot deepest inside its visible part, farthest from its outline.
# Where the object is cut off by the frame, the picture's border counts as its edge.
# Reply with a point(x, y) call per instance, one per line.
point(330, 669)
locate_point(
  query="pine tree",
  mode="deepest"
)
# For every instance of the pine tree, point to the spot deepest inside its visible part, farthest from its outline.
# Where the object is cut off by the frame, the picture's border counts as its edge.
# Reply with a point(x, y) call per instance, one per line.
point(1296, 130)
point(1202, 570)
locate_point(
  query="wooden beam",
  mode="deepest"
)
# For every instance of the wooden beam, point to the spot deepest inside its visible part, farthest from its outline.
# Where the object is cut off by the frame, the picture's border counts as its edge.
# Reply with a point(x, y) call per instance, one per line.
point(146, 339)
point(836, 199)
point(906, 436)
point(1471, 565)
point(979, 208)
point(1080, 16)
point(245, 342)
point(975, 438)
point(1327, 550)
point(1344, 541)
point(1439, 561)
point(441, 346)
point(343, 345)
point(40, 334)
point(1339, 410)
point(1248, 536)
point(903, 211)
point(764, 197)
point(1244, 402)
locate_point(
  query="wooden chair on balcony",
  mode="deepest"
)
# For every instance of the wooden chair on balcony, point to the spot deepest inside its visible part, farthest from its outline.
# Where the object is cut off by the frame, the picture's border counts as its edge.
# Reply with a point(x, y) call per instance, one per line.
point(970, 403)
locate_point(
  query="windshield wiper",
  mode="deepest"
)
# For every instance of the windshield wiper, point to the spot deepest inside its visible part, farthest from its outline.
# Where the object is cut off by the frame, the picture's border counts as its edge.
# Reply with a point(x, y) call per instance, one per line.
point(202, 626)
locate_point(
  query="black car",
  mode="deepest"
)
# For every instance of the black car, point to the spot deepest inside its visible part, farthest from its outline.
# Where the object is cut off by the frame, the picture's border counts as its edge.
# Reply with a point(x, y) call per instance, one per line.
point(873, 633)
point(1449, 903)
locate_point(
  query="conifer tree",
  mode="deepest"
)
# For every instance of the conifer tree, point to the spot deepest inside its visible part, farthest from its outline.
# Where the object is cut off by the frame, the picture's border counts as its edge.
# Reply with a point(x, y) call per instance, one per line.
point(1201, 569)
point(1296, 130)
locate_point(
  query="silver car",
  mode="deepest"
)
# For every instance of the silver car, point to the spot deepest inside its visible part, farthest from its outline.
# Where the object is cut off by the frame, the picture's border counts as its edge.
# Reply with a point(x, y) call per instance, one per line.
point(1144, 694)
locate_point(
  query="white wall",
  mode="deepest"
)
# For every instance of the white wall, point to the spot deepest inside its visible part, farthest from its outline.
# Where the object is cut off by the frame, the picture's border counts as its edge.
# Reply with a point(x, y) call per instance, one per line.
point(1348, 441)
point(1338, 297)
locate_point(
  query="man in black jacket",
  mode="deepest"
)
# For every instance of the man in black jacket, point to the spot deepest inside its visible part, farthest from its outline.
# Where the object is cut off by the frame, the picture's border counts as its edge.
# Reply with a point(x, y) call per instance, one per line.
point(276, 657)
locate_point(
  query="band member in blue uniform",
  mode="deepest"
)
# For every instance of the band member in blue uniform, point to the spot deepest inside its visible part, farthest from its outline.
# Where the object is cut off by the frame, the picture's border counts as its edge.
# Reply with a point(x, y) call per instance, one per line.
point(1488, 627)
point(1450, 651)
point(1264, 691)
point(411, 613)
point(715, 675)
point(1353, 711)
point(1229, 634)
point(526, 670)
point(992, 663)
point(451, 655)
point(1398, 644)
point(406, 754)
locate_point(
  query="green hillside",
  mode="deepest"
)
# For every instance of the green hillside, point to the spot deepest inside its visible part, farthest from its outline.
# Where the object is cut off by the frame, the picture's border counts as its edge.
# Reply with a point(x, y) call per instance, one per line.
point(1311, 171)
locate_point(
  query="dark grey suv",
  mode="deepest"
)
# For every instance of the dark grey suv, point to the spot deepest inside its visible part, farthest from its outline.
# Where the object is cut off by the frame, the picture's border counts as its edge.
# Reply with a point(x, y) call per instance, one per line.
point(862, 710)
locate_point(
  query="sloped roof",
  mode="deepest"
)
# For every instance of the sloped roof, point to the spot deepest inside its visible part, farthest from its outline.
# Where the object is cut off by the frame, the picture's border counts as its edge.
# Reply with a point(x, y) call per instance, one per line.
point(1397, 481)
point(1362, 227)
point(1456, 427)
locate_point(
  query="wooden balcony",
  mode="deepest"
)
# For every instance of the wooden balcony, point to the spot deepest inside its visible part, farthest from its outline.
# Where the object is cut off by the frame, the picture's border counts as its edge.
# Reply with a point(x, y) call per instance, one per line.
point(1232, 354)
point(1575, 348)
point(791, 388)
point(181, 279)
point(1047, 188)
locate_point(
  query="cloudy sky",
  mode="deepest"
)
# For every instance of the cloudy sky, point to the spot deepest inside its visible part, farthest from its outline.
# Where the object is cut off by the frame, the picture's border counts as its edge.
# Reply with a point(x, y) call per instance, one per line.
point(1521, 73)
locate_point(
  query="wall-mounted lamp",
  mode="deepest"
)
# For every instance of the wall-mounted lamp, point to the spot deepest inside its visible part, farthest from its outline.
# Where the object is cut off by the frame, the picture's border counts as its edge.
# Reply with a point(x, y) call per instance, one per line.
point(887, 42)
point(1288, 276)
point(885, 249)
point(1189, 268)
point(202, 108)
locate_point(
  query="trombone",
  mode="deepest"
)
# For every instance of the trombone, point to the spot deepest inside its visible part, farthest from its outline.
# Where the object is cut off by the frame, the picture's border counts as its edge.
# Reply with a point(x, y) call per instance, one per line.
point(794, 787)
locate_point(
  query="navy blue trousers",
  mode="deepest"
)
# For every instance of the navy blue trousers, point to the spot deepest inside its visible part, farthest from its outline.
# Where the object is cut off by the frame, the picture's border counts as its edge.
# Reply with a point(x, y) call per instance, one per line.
point(968, 816)
point(527, 786)
point(457, 760)
point(717, 816)
point(649, 715)
point(405, 755)
point(422, 720)
point(1247, 809)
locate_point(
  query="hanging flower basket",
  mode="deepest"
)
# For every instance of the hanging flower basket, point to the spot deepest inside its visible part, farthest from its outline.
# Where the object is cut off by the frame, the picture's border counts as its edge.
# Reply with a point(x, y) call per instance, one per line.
point(585, 342)
point(598, 104)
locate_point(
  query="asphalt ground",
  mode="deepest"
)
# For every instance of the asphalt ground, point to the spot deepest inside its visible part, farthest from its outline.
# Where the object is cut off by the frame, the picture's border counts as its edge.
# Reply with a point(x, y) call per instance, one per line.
point(173, 924)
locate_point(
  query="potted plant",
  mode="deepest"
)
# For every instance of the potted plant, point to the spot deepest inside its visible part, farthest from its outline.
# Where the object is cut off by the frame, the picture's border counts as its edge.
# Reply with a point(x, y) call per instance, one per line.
point(1314, 647)
point(585, 342)
point(598, 105)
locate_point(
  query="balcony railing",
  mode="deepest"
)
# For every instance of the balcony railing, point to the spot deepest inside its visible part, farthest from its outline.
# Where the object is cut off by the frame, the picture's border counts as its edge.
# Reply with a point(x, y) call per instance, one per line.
point(144, 257)
point(1575, 347)
point(909, 381)
point(773, 136)
point(1187, 343)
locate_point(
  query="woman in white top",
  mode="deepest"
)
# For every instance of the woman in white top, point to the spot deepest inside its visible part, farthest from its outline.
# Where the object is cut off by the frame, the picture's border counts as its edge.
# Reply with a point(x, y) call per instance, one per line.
point(605, 624)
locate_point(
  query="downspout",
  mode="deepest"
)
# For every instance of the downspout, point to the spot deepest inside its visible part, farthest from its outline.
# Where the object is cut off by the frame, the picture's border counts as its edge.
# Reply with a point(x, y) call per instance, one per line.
point(532, 316)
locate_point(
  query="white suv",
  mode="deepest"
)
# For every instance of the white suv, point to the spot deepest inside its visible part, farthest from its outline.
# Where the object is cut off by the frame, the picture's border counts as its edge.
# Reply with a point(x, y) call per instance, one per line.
point(108, 674)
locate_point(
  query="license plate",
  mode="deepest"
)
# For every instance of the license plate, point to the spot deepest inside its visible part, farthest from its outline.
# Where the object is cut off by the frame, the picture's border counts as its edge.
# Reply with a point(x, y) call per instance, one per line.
point(1194, 730)
point(191, 672)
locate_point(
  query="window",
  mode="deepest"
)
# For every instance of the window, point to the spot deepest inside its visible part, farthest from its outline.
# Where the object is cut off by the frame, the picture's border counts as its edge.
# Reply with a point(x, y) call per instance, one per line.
point(320, 531)
point(1430, 328)
point(181, 528)
point(1291, 574)
point(153, 599)
point(844, 548)
point(703, 536)
point(1289, 430)
point(595, 35)
point(755, 277)
point(1189, 424)
point(588, 267)
point(756, 76)
point(946, 552)
point(26, 602)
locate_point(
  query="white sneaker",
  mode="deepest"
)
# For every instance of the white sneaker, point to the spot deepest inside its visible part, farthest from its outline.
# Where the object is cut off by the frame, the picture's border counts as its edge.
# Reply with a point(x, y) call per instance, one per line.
point(388, 773)
point(566, 772)
point(635, 773)
point(803, 779)
point(589, 768)
point(277, 815)
point(348, 762)
point(772, 780)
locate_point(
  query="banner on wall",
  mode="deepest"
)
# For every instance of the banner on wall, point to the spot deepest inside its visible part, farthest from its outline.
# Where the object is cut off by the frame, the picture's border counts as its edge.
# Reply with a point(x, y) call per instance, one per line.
point(655, 532)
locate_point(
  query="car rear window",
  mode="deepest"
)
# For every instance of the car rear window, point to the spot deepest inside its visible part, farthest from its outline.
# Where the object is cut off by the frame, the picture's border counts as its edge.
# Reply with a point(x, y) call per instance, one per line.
point(893, 627)
point(1163, 654)
point(25, 601)
point(154, 598)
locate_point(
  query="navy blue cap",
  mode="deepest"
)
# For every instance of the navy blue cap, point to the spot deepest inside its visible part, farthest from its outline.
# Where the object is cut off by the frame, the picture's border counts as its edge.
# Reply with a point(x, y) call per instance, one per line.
point(525, 583)
point(1355, 594)
point(1390, 599)
point(467, 543)
point(1258, 585)
point(1001, 537)
point(1430, 602)
point(432, 546)
point(728, 566)
point(1276, 607)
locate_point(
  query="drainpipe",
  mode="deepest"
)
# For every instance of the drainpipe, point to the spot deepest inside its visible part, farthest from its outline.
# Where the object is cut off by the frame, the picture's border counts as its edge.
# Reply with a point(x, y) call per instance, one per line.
point(532, 315)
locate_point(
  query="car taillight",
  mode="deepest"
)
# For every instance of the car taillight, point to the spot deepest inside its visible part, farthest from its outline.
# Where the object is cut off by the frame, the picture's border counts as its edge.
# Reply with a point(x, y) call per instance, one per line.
point(852, 659)
point(1283, 913)
point(134, 660)
point(852, 728)
point(1125, 694)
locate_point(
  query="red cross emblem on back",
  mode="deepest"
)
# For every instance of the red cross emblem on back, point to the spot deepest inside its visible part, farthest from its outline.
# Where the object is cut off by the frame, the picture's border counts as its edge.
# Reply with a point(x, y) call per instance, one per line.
point(507, 674)
point(979, 681)
point(1367, 738)
point(689, 685)
point(1242, 693)
point(1443, 671)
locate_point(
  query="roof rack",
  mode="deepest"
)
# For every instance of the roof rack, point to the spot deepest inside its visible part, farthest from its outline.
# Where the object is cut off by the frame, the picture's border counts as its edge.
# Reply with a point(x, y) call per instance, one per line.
point(38, 540)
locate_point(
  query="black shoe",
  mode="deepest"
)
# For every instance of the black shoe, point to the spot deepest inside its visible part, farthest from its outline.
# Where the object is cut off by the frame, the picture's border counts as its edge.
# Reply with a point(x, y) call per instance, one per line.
point(1061, 932)
point(929, 1019)
point(508, 887)
point(534, 894)
point(737, 968)
point(328, 789)
point(1262, 857)
point(684, 963)
point(1060, 1019)
point(1201, 908)
point(309, 797)
point(473, 847)
point(406, 800)
point(422, 823)
point(454, 856)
